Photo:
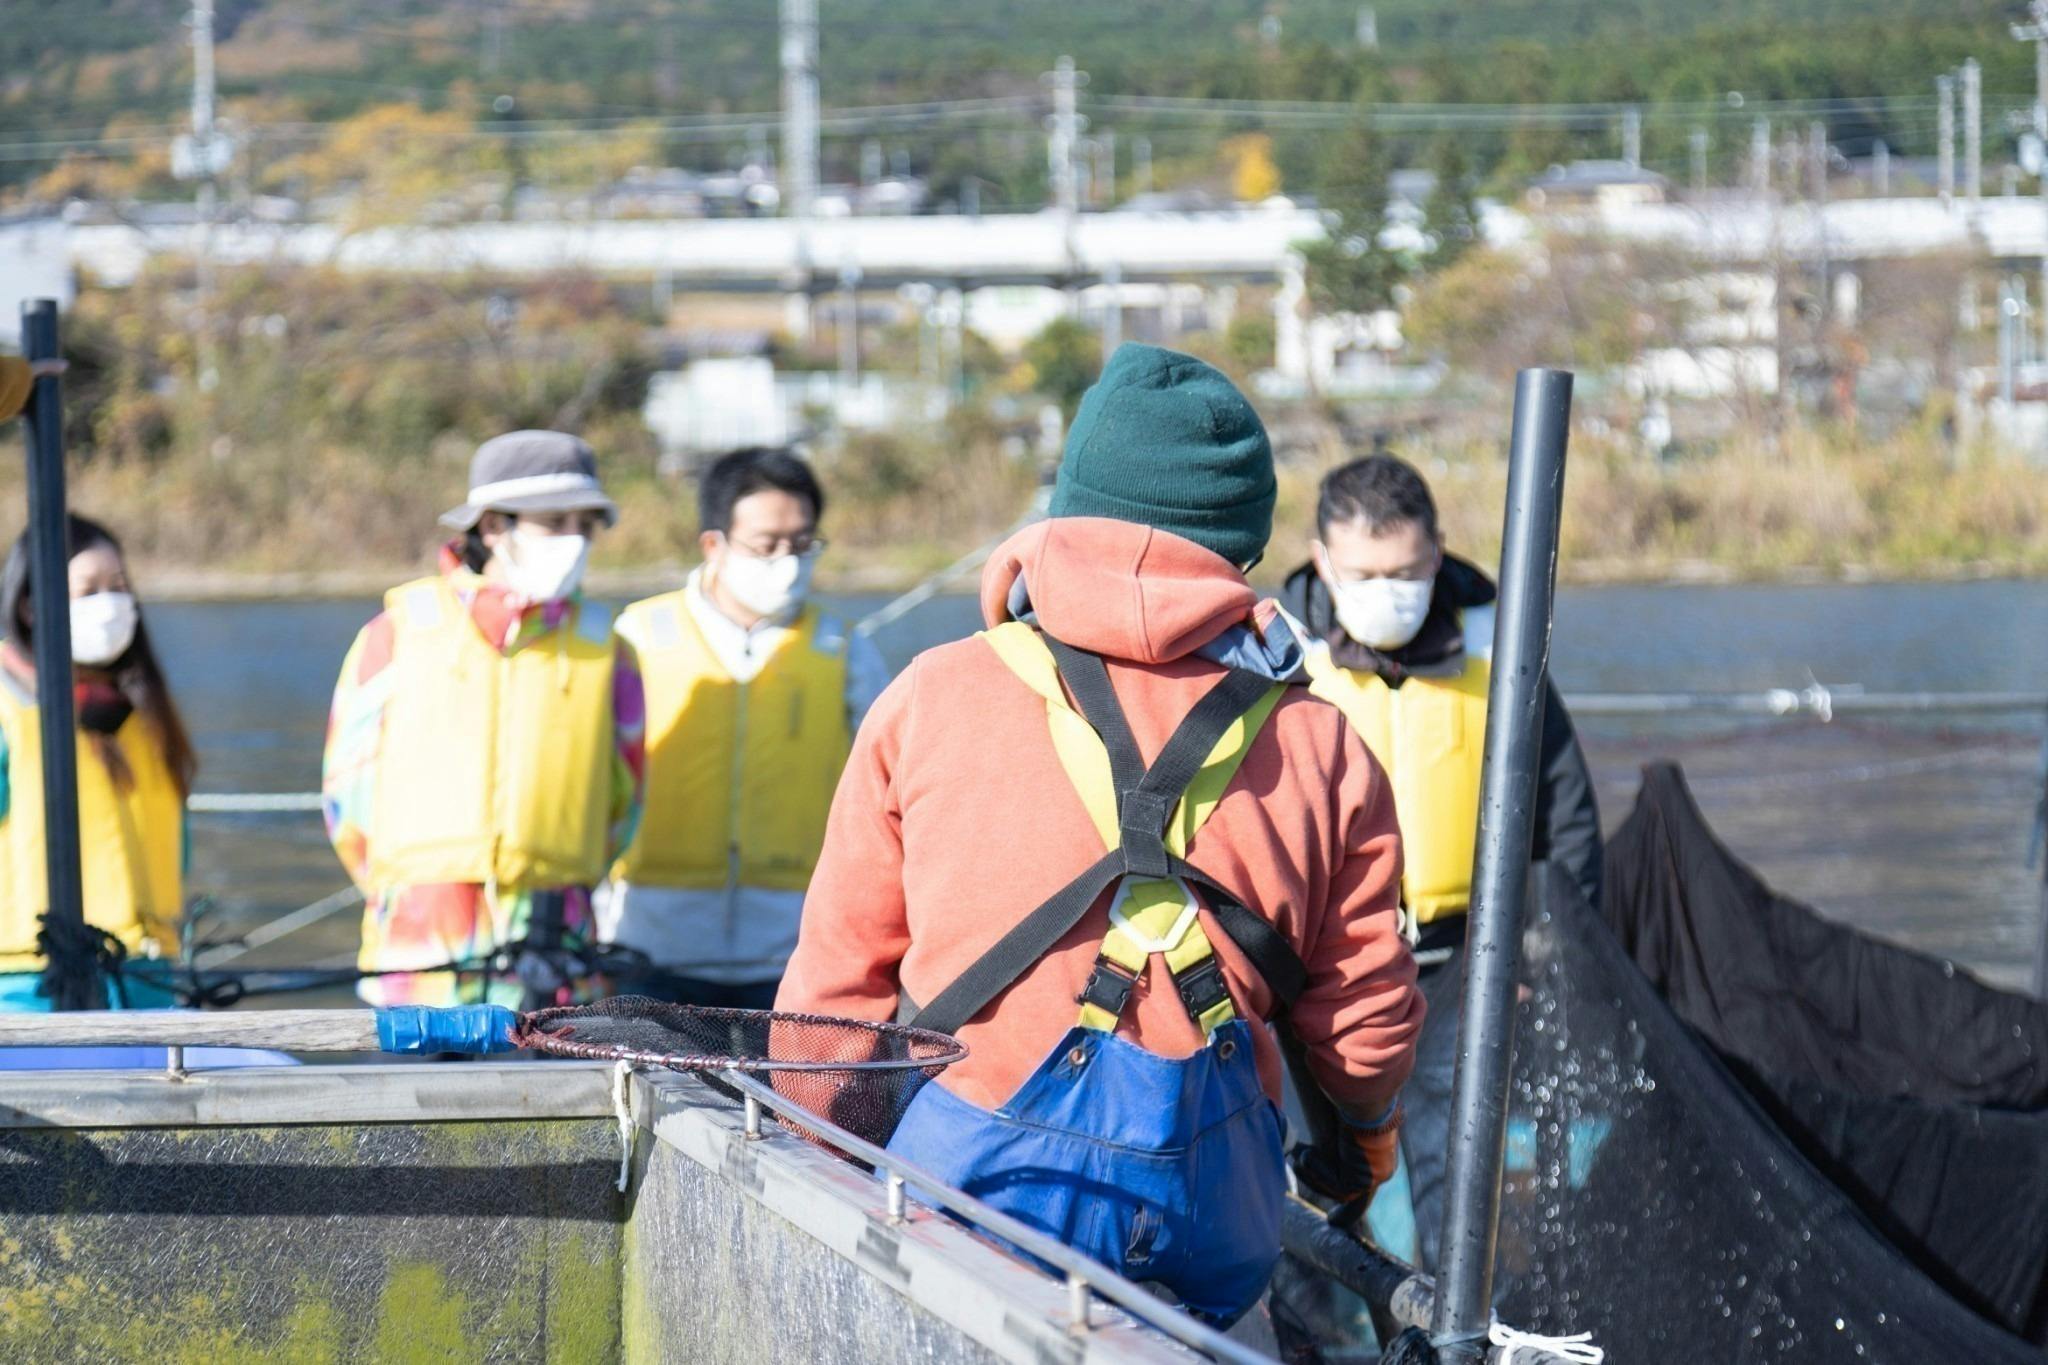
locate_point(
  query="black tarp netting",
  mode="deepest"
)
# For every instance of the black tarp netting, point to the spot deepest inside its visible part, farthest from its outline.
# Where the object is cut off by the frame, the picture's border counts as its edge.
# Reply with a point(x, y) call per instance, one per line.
point(1879, 1063)
point(1650, 1200)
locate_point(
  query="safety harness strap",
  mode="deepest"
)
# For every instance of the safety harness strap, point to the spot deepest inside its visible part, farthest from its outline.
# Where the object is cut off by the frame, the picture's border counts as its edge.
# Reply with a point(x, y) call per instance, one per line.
point(1147, 799)
point(996, 970)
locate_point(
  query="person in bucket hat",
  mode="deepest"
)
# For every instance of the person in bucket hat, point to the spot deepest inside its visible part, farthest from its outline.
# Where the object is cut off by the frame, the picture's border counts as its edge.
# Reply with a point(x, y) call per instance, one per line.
point(485, 752)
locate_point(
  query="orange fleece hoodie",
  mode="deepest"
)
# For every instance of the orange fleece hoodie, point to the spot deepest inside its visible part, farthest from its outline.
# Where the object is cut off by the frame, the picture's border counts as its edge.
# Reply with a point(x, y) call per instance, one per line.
point(954, 820)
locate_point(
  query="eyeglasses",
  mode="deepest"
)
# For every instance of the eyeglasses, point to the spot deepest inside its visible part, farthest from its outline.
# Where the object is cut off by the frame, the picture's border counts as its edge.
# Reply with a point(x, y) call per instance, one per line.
point(803, 546)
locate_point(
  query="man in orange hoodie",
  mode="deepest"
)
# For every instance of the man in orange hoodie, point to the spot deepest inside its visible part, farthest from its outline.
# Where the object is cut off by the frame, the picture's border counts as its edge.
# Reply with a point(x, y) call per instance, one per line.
point(1105, 842)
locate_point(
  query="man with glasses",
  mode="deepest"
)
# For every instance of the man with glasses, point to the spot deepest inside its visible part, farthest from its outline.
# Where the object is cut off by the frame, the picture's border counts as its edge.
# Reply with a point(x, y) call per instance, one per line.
point(753, 696)
point(1401, 639)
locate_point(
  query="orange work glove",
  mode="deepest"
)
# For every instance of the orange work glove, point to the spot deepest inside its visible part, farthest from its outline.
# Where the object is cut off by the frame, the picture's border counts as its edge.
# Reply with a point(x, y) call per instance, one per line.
point(1382, 1148)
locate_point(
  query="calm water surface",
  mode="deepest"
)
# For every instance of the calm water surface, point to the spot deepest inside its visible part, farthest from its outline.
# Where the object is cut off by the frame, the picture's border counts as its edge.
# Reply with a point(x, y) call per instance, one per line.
point(1916, 830)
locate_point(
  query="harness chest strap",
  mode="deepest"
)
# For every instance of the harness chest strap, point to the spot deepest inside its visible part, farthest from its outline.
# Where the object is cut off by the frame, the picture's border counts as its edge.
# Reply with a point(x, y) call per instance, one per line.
point(1146, 819)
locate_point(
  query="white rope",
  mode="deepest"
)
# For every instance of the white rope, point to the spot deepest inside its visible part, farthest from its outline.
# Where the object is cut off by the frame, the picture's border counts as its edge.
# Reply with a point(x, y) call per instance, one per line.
point(1855, 772)
point(622, 1107)
point(245, 803)
point(898, 607)
point(1577, 1348)
point(271, 930)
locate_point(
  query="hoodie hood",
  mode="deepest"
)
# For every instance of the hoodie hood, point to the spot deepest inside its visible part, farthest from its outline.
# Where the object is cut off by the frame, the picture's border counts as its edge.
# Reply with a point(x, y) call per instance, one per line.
point(1438, 649)
point(1116, 588)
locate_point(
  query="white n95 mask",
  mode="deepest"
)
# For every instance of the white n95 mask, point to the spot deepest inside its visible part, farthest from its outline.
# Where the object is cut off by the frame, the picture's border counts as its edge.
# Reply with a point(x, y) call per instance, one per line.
point(102, 627)
point(1383, 613)
point(770, 587)
point(540, 567)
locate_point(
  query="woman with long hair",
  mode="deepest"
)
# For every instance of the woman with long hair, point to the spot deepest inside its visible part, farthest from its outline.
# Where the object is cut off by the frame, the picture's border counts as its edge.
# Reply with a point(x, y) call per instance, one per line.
point(135, 767)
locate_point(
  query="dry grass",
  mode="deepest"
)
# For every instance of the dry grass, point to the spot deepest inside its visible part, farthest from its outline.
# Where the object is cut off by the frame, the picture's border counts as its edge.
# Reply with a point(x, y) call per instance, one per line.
point(903, 504)
point(1813, 507)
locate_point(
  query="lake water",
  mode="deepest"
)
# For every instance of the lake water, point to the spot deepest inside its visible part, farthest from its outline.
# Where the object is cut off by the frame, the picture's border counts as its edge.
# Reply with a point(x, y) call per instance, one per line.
point(1916, 829)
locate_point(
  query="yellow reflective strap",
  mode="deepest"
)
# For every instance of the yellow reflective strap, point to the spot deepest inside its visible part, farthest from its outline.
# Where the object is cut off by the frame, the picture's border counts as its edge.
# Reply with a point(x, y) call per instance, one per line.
point(1079, 748)
point(1152, 906)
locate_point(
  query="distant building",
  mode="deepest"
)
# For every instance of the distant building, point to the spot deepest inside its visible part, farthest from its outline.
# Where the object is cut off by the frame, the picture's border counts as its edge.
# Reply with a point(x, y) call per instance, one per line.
point(1596, 184)
point(38, 256)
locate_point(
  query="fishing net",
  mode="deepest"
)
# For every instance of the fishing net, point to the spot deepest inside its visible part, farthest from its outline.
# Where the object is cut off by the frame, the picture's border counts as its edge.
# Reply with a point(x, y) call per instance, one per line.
point(859, 1075)
point(1919, 1090)
point(1649, 1198)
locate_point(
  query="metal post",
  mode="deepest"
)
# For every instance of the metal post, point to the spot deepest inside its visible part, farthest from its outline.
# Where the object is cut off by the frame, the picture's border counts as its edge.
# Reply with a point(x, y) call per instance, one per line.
point(50, 599)
point(1632, 137)
point(799, 22)
point(1760, 155)
point(1063, 132)
point(1698, 141)
point(1500, 874)
point(1945, 138)
point(1973, 130)
point(1881, 169)
point(2038, 855)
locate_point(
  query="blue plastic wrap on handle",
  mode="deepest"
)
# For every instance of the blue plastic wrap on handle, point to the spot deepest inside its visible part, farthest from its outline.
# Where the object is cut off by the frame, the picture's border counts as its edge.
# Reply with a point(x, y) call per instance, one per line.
point(422, 1029)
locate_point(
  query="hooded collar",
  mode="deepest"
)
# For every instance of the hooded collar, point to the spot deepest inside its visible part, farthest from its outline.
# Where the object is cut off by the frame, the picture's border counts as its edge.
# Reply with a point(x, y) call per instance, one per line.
point(1438, 649)
point(1135, 593)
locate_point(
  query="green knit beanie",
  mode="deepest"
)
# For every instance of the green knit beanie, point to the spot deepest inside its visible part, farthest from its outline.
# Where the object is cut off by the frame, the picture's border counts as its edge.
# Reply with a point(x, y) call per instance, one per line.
point(1164, 440)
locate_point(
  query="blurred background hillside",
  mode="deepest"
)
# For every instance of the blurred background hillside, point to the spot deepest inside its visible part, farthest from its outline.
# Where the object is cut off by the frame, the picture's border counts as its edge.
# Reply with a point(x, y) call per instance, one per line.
point(1793, 249)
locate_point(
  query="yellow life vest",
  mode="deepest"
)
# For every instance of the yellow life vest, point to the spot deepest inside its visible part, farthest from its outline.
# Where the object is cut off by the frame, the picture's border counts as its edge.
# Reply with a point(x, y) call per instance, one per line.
point(131, 841)
point(496, 768)
point(1430, 736)
point(740, 776)
point(1146, 916)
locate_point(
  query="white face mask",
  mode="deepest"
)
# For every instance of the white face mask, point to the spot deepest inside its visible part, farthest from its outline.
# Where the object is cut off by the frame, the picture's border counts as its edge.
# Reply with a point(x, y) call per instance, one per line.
point(1383, 613)
point(540, 567)
point(767, 587)
point(102, 627)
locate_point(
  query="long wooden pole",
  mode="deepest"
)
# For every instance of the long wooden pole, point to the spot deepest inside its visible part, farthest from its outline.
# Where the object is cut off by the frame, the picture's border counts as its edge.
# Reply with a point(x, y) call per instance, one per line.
point(290, 1030)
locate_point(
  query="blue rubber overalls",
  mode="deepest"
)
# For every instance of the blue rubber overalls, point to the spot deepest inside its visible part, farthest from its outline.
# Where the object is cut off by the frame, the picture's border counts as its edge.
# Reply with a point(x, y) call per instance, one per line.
point(1166, 1171)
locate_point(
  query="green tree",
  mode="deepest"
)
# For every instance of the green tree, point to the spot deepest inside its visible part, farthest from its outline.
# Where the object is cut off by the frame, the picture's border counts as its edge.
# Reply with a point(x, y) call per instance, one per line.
point(1351, 270)
point(1452, 213)
point(1065, 358)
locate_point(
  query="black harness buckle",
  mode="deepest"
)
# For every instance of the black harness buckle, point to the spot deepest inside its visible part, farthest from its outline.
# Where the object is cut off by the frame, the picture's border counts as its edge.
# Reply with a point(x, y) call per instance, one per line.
point(1201, 987)
point(1109, 988)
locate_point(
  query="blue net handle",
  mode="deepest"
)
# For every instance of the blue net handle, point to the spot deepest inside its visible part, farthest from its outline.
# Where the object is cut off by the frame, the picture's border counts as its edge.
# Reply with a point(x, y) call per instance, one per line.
point(422, 1029)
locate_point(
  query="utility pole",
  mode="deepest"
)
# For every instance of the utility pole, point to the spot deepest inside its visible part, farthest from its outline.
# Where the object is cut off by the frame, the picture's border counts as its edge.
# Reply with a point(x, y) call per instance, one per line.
point(1973, 130)
point(799, 107)
point(1141, 166)
point(2037, 34)
point(1881, 168)
point(203, 163)
point(1699, 160)
point(1945, 138)
point(1760, 155)
point(1105, 168)
point(1632, 137)
point(1063, 131)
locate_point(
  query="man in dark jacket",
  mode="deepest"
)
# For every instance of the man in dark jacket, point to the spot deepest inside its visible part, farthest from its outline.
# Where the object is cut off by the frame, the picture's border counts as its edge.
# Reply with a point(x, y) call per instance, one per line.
point(1401, 638)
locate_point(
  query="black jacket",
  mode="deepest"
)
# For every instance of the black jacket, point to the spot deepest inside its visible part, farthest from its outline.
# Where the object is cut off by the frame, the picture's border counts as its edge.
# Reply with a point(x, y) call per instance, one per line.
point(1567, 820)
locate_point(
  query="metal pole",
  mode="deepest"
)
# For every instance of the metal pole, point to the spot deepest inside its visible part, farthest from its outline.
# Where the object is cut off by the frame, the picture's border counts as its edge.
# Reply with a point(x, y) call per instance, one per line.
point(1945, 138)
point(1973, 130)
point(1500, 874)
point(799, 23)
point(2040, 13)
point(50, 599)
point(1698, 141)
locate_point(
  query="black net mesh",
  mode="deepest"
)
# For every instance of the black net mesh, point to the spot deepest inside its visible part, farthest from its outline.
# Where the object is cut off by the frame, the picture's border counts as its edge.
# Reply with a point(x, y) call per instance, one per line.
point(859, 1075)
point(1650, 1200)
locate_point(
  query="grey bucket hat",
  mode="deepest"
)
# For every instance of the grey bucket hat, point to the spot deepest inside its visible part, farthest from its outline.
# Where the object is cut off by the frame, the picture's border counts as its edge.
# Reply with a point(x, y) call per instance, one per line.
point(532, 471)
